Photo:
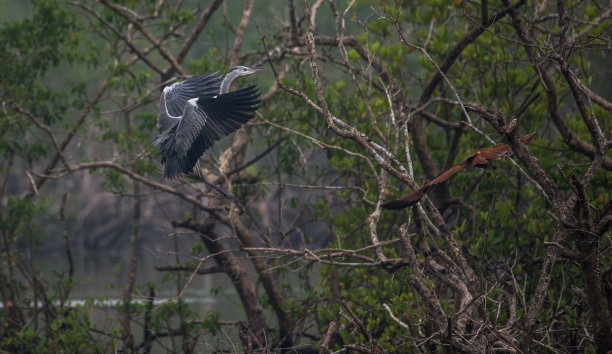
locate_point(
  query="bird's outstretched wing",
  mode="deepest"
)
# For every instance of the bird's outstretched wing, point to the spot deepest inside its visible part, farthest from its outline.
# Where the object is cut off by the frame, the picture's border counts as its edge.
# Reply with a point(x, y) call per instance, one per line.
point(208, 119)
point(174, 98)
point(480, 158)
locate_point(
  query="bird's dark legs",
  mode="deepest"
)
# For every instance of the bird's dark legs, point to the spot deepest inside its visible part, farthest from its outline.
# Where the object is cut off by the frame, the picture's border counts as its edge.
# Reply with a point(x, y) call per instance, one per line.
point(224, 193)
point(217, 188)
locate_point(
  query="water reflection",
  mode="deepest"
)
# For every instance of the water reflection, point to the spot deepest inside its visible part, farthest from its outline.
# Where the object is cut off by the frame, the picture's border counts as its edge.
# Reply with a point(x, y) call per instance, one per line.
point(101, 275)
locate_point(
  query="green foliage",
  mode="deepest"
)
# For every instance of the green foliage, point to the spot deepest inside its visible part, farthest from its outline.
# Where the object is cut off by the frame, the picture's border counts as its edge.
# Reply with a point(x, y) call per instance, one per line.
point(68, 333)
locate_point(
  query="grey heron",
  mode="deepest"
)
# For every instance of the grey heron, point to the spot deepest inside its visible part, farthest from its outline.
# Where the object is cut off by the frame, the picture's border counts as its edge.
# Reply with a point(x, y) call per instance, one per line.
point(198, 111)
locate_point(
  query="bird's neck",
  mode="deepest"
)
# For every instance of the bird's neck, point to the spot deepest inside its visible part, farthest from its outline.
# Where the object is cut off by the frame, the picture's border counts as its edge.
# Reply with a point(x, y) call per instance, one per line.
point(227, 81)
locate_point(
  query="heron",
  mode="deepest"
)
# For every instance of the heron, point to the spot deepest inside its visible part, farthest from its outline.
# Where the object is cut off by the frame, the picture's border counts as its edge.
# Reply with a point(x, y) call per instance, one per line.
point(196, 112)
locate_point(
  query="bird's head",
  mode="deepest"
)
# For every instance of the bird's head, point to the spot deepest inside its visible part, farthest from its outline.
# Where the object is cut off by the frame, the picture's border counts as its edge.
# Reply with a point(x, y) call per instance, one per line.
point(243, 70)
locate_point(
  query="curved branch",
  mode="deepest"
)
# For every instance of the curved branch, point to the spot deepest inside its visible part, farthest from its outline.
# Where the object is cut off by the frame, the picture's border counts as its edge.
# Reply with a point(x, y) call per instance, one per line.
point(206, 15)
point(548, 83)
point(137, 177)
point(416, 124)
point(128, 16)
point(240, 30)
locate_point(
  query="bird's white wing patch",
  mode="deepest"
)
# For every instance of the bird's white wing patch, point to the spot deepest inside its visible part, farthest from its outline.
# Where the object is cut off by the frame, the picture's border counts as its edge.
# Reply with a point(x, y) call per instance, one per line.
point(179, 93)
point(170, 87)
point(165, 98)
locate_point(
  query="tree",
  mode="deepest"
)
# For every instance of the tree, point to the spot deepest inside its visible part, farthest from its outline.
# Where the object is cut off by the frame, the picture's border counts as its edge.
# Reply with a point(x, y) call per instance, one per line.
point(365, 101)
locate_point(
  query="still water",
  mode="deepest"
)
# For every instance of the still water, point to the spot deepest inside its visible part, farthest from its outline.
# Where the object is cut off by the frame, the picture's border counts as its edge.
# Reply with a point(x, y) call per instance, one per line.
point(101, 275)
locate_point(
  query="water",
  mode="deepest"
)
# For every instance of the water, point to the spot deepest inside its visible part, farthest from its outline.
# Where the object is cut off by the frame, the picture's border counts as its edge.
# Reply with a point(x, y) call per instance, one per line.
point(101, 276)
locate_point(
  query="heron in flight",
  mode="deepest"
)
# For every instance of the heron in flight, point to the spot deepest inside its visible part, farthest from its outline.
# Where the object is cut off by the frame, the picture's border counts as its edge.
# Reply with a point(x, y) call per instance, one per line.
point(195, 113)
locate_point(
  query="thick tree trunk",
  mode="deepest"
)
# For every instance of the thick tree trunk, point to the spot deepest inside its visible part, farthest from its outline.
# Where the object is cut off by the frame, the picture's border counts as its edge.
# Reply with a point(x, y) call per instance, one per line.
point(239, 275)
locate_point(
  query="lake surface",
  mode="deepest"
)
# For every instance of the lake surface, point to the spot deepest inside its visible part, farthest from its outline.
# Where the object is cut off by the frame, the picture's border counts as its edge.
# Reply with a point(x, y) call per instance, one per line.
point(102, 276)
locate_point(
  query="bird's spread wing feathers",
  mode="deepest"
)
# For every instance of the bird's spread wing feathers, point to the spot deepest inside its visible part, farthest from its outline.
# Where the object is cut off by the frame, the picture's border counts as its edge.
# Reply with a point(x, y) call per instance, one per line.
point(190, 126)
point(482, 157)
point(230, 110)
point(179, 93)
point(174, 98)
point(209, 118)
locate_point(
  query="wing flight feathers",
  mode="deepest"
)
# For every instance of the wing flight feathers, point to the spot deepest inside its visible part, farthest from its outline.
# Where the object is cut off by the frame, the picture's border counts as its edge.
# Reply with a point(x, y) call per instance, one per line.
point(203, 120)
point(179, 93)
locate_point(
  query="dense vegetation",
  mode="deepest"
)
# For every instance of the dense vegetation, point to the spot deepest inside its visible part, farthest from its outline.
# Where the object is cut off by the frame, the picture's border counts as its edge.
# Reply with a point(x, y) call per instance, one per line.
point(362, 102)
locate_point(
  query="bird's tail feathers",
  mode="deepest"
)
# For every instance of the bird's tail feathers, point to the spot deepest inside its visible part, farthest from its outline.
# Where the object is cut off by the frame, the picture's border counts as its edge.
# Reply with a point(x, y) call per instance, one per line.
point(409, 199)
point(173, 166)
point(398, 204)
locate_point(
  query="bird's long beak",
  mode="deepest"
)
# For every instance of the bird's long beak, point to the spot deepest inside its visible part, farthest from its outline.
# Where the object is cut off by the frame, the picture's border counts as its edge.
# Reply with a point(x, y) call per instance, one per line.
point(257, 69)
